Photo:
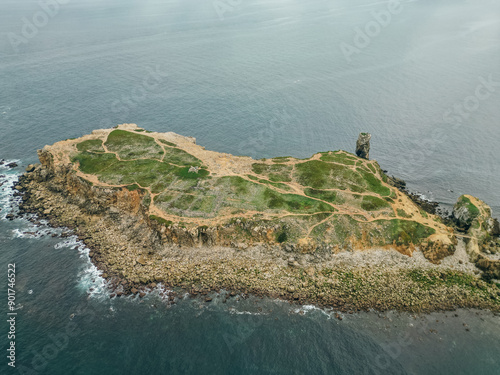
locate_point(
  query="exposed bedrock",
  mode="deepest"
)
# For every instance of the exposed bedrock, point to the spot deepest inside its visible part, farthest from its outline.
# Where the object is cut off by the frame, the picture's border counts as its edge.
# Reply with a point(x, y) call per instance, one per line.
point(481, 234)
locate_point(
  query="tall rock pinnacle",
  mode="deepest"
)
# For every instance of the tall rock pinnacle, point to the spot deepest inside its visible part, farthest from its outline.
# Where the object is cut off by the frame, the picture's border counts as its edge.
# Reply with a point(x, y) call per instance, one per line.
point(363, 145)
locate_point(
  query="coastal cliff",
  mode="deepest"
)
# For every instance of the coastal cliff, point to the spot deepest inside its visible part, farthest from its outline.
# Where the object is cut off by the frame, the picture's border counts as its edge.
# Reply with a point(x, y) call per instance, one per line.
point(157, 208)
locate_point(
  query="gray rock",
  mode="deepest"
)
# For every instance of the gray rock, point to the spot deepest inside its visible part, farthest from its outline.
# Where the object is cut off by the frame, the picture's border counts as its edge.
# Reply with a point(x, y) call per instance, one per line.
point(30, 168)
point(363, 145)
point(493, 227)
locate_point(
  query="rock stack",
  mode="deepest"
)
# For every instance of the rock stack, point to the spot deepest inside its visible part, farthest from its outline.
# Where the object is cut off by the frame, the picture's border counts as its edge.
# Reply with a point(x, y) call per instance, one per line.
point(363, 145)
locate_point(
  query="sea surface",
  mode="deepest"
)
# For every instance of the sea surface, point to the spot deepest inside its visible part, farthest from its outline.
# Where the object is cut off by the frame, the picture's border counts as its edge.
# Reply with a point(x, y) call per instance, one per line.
point(247, 77)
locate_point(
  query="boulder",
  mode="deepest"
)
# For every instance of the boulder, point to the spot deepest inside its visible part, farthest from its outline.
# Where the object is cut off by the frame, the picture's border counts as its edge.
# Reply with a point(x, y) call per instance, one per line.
point(464, 212)
point(30, 168)
point(493, 227)
point(363, 145)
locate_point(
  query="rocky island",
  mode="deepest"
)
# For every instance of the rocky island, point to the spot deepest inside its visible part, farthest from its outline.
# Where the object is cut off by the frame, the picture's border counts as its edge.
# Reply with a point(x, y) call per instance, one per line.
point(333, 230)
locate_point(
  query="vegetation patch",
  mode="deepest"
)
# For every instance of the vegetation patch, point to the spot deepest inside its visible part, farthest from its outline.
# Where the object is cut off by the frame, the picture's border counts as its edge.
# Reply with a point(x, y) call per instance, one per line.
point(129, 145)
point(325, 195)
point(185, 174)
point(375, 185)
point(371, 203)
point(167, 143)
point(274, 172)
point(180, 157)
point(338, 157)
point(464, 201)
point(281, 159)
point(160, 220)
point(430, 279)
point(372, 168)
point(402, 213)
point(276, 185)
point(145, 172)
point(405, 232)
point(133, 187)
point(92, 145)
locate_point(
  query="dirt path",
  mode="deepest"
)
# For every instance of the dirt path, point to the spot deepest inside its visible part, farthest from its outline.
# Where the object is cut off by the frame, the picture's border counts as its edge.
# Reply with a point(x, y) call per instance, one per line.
point(228, 165)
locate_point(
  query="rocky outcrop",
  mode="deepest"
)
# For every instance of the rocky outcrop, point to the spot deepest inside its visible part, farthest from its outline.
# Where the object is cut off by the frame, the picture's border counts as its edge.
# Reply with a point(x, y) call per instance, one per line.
point(363, 145)
point(464, 212)
point(482, 234)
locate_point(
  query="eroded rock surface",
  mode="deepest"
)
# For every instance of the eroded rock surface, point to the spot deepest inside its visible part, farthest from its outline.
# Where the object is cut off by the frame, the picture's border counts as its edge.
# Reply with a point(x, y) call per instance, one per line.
point(363, 145)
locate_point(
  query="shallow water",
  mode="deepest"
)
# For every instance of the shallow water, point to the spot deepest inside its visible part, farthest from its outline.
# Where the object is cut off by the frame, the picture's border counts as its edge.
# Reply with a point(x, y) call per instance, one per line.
point(268, 79)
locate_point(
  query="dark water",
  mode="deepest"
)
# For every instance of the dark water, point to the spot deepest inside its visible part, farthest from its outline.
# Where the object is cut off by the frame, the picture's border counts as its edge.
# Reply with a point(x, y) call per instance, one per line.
point(263, 78)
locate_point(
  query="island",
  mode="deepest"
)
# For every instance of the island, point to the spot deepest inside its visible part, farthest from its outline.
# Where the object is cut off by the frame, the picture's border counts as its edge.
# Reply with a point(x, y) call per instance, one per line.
point(333, 230)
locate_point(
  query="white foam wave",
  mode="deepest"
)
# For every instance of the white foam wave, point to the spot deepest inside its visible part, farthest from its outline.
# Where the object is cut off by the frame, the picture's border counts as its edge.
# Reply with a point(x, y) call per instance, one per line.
point(232, 310)
point(8, 201)
point(89, 278)
point(32, 231)
point(302, 310)
point(91, 281)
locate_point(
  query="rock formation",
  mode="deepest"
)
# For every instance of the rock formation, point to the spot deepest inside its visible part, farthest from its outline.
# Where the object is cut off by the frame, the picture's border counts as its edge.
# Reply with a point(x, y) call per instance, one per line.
point(482, 234)
point(363, 146)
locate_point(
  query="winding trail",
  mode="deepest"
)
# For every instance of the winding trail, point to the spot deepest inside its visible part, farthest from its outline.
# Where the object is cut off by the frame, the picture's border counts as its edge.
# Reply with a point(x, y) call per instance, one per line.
point(220, 165)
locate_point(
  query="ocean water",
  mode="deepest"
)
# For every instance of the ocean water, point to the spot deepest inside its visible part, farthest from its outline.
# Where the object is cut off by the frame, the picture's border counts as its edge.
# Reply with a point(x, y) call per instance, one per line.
point(258, 78)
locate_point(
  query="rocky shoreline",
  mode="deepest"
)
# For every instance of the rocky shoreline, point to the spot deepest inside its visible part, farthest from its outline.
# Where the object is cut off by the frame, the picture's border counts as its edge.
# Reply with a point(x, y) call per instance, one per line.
point(127, 247)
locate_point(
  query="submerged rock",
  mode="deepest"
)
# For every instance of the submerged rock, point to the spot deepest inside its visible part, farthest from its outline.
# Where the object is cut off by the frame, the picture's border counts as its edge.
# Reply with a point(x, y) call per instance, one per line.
point(363, 145)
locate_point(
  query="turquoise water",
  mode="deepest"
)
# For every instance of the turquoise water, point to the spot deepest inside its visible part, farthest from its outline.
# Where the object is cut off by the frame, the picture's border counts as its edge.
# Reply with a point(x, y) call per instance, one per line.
point(265, 78)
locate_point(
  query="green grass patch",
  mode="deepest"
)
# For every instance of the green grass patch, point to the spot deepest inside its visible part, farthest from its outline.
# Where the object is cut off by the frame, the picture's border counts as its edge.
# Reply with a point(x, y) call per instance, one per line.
point(185, 174)
point(92, 145)
point(329, 196)
point(338, 157)
point(129, 145)
point(145, 172)
point(281, 159)
point(405, 232)
point(294, 203)
point(464, 201)
point(402, 213)
point(160, 220)
point(274, 172)
point(374, 184)
point(323, 175)
point(371, 203)
point(372, 168)
point(133, 187)
point(91, 163)
point(167, 143)
point(276, 185)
